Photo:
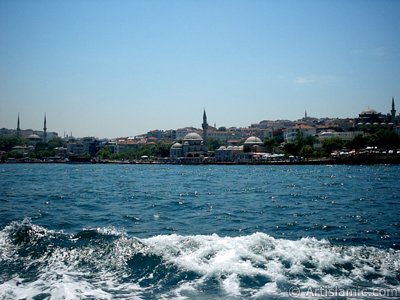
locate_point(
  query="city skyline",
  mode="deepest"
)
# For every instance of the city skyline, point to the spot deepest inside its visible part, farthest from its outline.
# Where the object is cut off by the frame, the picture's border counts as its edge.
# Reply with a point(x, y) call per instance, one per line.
point(111, 69)
point(205, 125)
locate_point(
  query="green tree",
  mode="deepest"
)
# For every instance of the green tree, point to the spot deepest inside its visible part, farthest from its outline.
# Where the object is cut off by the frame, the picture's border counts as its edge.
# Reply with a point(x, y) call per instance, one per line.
point(55, 142)
point(14, 154)
point(306, 151)
point(359, 142)
point(270, 144)
point(384, 138)
point(8, 142)
point(42, 153)
point(213, 144)
point(291, 149)
point(43, 150)
point(309, 140)
point(163, 149)
point(331, 144)
point(104, 153)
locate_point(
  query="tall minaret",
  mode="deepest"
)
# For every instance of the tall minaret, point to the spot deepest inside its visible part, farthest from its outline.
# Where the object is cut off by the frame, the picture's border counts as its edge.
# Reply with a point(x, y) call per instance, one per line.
point(205, 127)
point(44, 130)
point(393, 111)
point(18, 128)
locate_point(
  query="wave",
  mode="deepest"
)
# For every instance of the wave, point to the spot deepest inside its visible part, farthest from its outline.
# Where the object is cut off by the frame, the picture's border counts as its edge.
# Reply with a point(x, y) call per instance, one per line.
point(104, 263)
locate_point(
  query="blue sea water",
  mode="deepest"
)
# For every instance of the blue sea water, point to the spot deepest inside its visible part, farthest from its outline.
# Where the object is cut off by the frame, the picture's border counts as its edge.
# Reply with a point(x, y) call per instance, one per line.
point(199, 232)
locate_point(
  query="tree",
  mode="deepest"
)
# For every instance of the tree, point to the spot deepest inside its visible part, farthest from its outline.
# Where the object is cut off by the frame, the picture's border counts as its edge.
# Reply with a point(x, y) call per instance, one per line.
point(213, 144)
point(359, 142)
point(104, 153)
point(14, 154)
point(290, 149)
point(384, 138)
point(43, 150)
point(269, 144)
point(306, 151)
point(331, 144)
point(8, 142)
point(163, 149)
point(55, 142)
point(309, 140)
point(294, 148)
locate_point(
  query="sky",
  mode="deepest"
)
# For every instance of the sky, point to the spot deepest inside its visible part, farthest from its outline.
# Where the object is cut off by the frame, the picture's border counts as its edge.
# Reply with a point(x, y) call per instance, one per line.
point(122, 68)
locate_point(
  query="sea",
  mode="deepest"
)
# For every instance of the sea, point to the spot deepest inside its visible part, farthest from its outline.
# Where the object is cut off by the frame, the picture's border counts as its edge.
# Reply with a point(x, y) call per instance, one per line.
point(155, 231)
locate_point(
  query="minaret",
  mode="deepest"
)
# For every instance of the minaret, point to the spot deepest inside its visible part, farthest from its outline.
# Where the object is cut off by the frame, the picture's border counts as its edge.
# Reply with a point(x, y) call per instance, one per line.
point(305, 114)
point(205, 127)
point(18, 128)
point(44, 130)
point(393, 111)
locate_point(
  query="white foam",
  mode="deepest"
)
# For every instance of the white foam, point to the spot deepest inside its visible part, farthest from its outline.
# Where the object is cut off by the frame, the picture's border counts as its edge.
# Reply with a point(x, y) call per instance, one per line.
point(256, 265)
point(231, 285)
point(60, 276)
point(282, 262)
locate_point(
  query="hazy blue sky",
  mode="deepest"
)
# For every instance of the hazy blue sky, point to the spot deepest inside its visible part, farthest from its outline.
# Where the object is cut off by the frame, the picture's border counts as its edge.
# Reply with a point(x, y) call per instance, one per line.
point(121, 68)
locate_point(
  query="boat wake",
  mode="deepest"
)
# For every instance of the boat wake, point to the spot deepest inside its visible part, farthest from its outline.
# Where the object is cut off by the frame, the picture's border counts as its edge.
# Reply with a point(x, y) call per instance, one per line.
point(104, 263)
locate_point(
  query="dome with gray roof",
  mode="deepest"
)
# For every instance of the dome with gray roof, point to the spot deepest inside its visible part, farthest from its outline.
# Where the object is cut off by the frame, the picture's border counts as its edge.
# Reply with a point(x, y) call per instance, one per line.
point(369, 111)
point(176, 146)
point(253, 140)
point(193, 136)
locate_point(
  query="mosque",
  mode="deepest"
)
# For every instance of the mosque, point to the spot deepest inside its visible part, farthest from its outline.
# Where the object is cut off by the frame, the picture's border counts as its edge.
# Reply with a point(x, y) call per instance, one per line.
point(193, 148)
point(35, 137)
point(370, 117)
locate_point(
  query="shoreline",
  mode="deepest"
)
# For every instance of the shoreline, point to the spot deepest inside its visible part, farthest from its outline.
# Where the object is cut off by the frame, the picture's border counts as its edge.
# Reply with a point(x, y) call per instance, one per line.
point(347, 161)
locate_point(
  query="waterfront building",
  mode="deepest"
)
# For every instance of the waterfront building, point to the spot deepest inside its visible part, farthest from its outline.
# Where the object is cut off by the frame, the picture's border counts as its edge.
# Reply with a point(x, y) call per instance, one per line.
point(251, 150)
point(345, 135)
point(290, 134)
point(193, 148)
point(85, 146)
point(228, 154)
point(126, 145)
point(253, 144)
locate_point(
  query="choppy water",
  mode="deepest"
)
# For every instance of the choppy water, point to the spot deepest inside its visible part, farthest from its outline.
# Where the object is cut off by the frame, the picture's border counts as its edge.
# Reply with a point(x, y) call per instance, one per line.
point(199, 232)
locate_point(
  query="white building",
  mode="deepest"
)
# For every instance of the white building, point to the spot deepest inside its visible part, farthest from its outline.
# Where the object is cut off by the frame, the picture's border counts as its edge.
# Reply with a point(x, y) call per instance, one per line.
point(252, 147)
point(291, 133)
point(346, 135)
point(228, 154)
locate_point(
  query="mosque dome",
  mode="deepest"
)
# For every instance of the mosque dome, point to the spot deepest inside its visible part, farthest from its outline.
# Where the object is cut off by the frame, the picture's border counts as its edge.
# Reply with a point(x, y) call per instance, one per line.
point(192, 137)
point(369, 111)
point(33, 137)
point(176, 146)
point(253, 140)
